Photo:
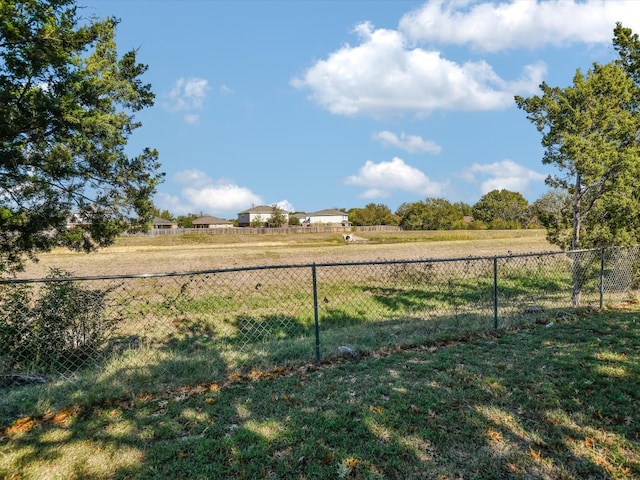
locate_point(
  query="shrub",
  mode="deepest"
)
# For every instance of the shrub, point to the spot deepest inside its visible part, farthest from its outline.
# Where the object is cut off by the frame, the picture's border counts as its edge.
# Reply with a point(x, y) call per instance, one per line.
point(53, 329)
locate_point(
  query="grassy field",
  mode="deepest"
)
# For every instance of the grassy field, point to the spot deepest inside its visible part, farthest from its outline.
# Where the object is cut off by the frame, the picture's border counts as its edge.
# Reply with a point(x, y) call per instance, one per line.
point(220, 381)
point(156, 254)
point(183, 329)
point(556, 402)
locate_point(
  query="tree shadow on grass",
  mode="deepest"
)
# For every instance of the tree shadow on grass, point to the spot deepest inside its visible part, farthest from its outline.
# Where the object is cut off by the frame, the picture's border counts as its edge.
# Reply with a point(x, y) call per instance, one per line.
point(537, 403)
point(449, 299)
point(570, 396)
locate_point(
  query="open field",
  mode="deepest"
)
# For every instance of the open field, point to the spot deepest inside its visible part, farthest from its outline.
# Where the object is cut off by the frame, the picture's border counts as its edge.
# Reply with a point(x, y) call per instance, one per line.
point(212, 375)
point(149, 254)
point(238, 319)
point(538, 402)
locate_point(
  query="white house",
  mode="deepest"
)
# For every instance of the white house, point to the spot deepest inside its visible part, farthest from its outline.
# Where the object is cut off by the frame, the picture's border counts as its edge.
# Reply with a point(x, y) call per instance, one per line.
point(327, 217)
point(259, 215)
point(76, 219)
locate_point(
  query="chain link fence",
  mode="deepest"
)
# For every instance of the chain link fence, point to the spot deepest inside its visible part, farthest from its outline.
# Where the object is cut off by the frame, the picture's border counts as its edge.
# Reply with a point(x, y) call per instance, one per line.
point(148, 332)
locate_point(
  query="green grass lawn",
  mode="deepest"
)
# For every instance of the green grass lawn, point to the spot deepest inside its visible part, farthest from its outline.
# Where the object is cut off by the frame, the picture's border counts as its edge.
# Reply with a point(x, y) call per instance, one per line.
point(558, 401)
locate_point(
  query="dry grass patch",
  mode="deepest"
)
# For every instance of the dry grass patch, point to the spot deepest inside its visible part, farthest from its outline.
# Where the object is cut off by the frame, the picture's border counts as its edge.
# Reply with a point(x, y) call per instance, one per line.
point(150, 254)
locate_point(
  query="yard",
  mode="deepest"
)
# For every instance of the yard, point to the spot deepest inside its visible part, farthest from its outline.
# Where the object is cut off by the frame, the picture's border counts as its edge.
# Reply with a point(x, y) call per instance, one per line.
point(542, 401)
point(212, 375)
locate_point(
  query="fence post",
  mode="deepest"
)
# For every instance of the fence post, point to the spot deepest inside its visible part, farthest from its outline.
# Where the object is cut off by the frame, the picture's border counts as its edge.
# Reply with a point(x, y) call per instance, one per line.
point(315, 311)
point(495, 293)
point(601, 277)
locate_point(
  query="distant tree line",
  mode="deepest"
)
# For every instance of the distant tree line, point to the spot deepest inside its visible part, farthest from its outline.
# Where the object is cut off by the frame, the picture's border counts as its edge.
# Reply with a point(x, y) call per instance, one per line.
point(496, 210)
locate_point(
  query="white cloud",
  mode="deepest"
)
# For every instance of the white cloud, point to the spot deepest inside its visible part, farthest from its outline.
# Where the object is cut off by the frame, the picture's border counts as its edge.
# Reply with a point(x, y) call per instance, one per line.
point(221, 197)
point(505, 174)
point(201, 193)
point(193, 178)
point(188, 96)
point(192, 118)
point(172, 203)
point(382, 179)
point(226, 91)
point(383, 76)
point(409, 143)
point(285, 205)
point(500, 25)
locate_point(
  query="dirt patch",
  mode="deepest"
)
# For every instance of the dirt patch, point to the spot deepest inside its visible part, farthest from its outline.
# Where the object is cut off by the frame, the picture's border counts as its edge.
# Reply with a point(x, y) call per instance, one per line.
point(183, 257)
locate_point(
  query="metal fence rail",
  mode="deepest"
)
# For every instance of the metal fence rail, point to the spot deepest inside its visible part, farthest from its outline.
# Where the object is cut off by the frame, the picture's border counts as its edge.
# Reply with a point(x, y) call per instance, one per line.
point(151, 331)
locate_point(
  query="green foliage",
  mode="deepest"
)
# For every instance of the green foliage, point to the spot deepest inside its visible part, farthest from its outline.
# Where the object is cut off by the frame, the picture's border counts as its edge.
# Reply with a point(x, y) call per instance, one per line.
point(373, 214)
point(277, 218)
point(294, 221)
point(257, 222)
point(186, 221)
point(502, 210)
point(433, 214)
point(67, 104)
point(63, 324)
point(553, 211)
point(627, 44)
point(590, 135)
point(165, 214)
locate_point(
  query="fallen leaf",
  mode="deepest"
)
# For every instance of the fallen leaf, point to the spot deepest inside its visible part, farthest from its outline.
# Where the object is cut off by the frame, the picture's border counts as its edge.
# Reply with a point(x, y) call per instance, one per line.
point(535, 454)
point(494, 434)
point(327, 459)
point(198, 389)
point(513, 467)
point(22, 425)
point(144, 397)
point(351, 462)
point(64, 415)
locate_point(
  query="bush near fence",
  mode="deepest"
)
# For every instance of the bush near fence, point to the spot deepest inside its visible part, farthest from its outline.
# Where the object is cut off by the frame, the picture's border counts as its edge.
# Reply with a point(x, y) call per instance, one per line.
point(151, 331)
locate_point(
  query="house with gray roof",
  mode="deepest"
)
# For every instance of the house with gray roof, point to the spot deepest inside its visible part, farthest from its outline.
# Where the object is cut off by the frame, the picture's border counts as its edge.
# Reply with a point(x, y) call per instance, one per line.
point(208, 221)
point(259, 215)
point(330, 216)
point(163, 224)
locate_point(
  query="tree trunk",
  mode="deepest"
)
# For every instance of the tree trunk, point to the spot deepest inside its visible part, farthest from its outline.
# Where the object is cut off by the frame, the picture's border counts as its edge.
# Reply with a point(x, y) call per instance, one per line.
point(575, 242)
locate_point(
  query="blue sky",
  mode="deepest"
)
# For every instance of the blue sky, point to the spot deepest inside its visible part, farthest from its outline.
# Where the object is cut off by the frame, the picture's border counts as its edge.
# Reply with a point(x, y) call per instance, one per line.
point(314, 104)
